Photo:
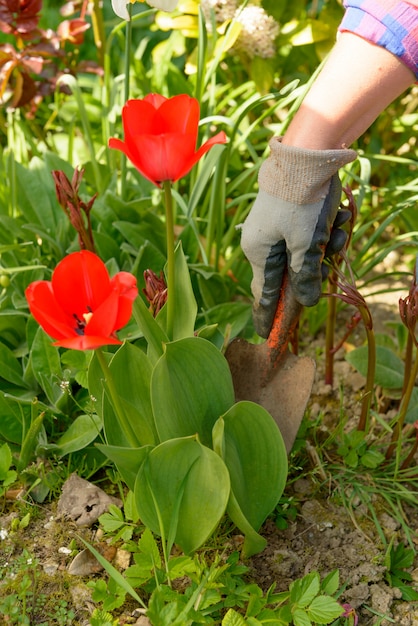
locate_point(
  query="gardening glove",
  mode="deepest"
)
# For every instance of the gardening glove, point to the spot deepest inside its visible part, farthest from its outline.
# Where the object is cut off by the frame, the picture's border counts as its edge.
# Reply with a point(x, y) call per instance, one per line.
point(293, 224)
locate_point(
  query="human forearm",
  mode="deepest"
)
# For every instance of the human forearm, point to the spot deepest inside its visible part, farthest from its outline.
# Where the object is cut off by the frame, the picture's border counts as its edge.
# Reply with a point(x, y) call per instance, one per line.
point(358, 81)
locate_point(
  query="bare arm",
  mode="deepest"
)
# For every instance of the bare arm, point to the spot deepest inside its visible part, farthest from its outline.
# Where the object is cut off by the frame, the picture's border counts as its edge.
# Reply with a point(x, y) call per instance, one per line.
point(358, 81)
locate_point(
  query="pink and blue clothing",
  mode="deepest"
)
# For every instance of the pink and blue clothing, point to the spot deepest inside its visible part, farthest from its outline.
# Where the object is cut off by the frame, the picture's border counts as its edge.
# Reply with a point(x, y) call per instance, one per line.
point(387, 23)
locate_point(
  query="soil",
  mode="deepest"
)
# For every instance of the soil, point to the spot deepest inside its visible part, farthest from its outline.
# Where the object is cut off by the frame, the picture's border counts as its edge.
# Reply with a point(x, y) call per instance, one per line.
point(324, 534)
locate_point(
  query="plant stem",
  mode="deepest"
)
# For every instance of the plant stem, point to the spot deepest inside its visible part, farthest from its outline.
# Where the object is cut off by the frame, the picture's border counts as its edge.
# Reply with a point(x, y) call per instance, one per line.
point(396, 435)
point(128, 46)
point(170, 258)
point(98, 30)
point(115, 400)
point(329, 335)
point(371, 368)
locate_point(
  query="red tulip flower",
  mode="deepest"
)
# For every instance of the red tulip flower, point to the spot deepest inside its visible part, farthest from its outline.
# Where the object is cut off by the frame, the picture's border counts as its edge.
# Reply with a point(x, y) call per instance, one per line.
point(161, 135)
point(82, 307)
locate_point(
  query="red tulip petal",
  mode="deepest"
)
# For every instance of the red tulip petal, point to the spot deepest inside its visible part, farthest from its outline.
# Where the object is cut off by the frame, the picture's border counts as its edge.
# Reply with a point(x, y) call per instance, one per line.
point(80, 283)
point(160, 158)
point(179, 114)
point(219, 138)
point(86, 342)
point(47, 312)
point(155, 99)
point(125, 285)
point(139, 116)
point(102, 322)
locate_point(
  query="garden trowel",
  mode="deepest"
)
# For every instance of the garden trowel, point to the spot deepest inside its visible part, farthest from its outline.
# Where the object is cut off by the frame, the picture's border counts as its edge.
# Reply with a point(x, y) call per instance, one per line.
point(270, 375)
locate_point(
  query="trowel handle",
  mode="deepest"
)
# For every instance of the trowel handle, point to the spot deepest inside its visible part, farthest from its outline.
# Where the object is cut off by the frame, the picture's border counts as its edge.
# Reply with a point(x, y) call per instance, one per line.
point(285, 320)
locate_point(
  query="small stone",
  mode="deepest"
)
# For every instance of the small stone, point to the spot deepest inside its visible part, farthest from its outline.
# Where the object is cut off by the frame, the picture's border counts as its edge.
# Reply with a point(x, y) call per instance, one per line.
point(50, 568)
point(84, 502)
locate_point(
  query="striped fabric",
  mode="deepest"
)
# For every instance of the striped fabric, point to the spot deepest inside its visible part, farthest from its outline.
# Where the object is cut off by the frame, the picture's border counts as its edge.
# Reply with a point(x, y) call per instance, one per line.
point(387, 23)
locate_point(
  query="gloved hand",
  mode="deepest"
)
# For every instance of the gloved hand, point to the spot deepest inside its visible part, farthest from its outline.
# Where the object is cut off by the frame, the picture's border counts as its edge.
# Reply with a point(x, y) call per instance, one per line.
point(291, 225)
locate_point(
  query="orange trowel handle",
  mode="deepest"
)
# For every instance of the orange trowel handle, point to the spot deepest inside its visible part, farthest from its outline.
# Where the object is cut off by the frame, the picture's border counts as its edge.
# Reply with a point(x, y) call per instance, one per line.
point(284, 323)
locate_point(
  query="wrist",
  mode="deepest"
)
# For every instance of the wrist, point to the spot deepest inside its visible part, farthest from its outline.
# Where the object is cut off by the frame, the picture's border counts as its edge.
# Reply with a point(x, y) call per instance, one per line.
point(299, 175)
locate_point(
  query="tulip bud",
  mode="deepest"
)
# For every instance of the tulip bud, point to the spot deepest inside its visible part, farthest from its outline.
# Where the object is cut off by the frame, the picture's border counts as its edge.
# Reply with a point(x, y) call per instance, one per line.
point(155, 291)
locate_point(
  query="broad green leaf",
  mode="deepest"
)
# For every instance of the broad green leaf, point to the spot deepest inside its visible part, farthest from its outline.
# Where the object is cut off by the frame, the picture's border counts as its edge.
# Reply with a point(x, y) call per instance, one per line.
point(331, 582)
point(81, 432)
point(372, 458)
point(389, 367)
point(148, 545)
point(255, 455)
point(127, 460)
point(304, 590)
point(324, 609)
point(152, 331)
point(149, 228)
point(191, 386)
point(14, 417)
point(182, 491)
point(5, 460)
point(253, 542)
point(130, 370)
point(185, 302)
point(232, 618)
point(47, 366)
point(10, 368)
point(37, 195)
point(301, 618)
point(411, 414)
point(95, 378)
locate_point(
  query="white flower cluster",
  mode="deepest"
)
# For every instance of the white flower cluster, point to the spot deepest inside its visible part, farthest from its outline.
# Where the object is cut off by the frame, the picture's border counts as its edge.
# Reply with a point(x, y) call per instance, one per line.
point(222, 10)
point(259, 31)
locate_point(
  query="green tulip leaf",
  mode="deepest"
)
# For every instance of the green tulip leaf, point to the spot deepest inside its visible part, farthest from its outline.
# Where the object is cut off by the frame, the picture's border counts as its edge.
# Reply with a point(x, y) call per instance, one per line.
point(127, 460)
point(82, 431)
point(10, 368)
point(182, 491)
point(191, 386)
point(130, 370)
point(152, 331)
point(185, 301)
point(47, 366)
point(389, 367)
point(250, 443)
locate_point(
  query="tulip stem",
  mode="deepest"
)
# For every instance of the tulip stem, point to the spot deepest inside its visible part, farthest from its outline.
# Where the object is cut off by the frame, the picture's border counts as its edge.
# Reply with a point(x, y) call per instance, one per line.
point(110, 389)
point(169, 221)
point(128, 46)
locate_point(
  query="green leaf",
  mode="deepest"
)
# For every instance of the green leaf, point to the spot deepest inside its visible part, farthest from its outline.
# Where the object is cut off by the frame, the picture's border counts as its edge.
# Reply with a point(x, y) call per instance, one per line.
point(114, 573)
point(152, 331)
point(255, 455)
point(301, 618)
point(186, 307)
point(80, 434)
point(127, 460)
point(14, 416)
point(5, 461)
point(412, 412)
point(232, 618)
point(148, 546)
point(389, 367)
point(10, 368)
point(304, 590)
point(331, 582)
point(182, 491)
point(324, 609)
point(130, 369)
point(46, 365)
point(372, 458)
point(191, 386)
